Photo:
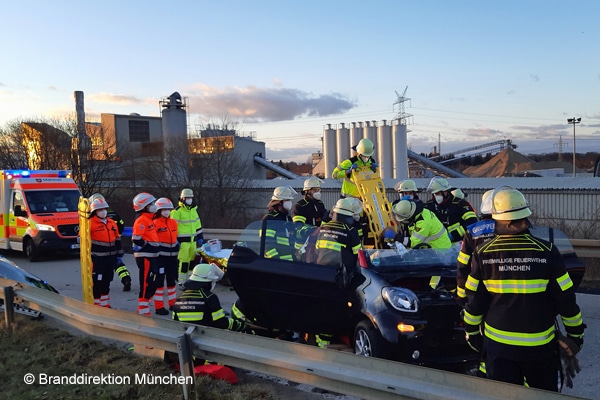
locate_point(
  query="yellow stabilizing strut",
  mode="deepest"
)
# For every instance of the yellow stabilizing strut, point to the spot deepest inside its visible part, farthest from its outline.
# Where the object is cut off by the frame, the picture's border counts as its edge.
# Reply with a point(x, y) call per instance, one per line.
point(375, 203)
point(85, 250)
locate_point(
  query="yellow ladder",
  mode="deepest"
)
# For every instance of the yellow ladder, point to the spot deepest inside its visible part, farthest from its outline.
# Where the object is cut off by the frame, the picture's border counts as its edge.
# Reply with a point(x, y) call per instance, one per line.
point(375, 203)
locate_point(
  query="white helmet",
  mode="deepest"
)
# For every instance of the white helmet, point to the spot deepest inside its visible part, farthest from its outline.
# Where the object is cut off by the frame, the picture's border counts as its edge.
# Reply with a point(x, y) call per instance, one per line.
point(407, 185)
point(187, 192)
point(311, 183)
point(404, 210)
point(365, 147)
point(207, 273)
point(509, 205)
point(96, 196)
point(141, 200)
point(283, 193)
point(458, 193)
point(164, 204)
point(438, 184)
point(486, 203)
point(356, 205)
point(344, 206)
point(98, 204)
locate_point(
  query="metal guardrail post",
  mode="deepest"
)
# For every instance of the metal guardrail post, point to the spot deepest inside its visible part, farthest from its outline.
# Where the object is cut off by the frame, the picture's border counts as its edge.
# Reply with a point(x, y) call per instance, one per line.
point(9, 311)
point(186, 361)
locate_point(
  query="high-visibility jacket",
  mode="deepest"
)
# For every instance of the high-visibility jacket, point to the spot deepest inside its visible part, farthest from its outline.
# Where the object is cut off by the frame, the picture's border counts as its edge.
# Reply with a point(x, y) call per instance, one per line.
point(337, 243)
point(167, 231)
point(517, 285)
point(309, 211)
point(105, 238)
point(342, 171)
point(426, 228)
point(477, 233)
point(456, 215)
point(198, 305)
point(189, 226)
point(144, 236)
point(279, 235)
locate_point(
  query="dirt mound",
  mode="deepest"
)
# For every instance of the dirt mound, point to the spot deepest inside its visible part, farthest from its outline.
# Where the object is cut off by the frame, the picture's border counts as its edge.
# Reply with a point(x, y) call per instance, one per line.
point(506, 163)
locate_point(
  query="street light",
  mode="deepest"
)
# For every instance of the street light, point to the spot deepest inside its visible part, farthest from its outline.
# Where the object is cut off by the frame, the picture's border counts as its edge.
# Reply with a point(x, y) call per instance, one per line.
point(573, 121)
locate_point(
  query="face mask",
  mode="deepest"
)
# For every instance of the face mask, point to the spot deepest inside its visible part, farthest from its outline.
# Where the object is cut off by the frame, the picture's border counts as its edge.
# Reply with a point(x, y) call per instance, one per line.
point(407, 197)
point(364, 159)
point(152, 208)
point(101, 214)
point(165, 213)
point(317, 195)
point(287, 205)
point(356, 217)
point(189, 201)
point(439, 198)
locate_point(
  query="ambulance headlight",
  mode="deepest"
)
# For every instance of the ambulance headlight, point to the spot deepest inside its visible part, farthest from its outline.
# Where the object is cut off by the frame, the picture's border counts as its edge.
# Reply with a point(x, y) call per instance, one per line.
point(44, 227)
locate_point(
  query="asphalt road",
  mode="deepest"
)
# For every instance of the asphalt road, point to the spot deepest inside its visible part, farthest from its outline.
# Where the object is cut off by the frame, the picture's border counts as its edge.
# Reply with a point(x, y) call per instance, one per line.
point(64, 274)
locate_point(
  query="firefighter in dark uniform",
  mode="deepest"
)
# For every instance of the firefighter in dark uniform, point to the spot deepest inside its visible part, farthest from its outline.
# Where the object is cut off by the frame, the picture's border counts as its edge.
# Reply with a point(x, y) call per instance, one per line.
point(310, 209)
point(455, 213)
point(199, 305)
point(517, 285)
point(476, 234)
point(280, 235)
point(120, 267)
point(106, 247)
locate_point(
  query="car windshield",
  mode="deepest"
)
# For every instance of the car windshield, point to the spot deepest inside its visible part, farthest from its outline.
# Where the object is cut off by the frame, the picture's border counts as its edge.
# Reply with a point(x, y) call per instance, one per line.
point(44, 201)
point(400, 258)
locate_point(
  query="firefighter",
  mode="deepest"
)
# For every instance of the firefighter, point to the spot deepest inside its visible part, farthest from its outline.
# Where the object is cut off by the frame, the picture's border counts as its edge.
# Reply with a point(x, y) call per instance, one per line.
point(106, 247)
point(310, 209)
point(280, 234)
point(120, 267)
point(407, 189)
point(168, 264)
point(423, 227)
point(145, 249)
point(455, 213)
point(476, 234)
point(517, 285)
point(363, 158)
point(199, 305)
point(189, 231)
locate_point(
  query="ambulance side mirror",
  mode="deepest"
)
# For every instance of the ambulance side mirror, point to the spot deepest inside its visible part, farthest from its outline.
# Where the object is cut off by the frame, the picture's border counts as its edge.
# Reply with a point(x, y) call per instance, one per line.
point(20, 212)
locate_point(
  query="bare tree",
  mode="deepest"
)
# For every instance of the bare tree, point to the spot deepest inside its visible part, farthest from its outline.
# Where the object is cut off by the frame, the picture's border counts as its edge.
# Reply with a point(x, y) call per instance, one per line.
point(12, 151)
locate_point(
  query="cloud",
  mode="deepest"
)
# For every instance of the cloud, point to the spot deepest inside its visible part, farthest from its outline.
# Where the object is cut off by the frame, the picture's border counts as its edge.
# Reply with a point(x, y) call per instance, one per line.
point(254, 104)
point(120, 99)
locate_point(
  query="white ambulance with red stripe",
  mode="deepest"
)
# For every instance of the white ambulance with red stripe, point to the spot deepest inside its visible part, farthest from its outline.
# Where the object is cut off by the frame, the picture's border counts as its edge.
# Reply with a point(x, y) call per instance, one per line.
point(38, 212)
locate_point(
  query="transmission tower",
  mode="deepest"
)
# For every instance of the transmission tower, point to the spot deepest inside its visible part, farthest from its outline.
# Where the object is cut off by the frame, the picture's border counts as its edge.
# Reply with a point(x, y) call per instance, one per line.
point(560, 145)
point(402, 116)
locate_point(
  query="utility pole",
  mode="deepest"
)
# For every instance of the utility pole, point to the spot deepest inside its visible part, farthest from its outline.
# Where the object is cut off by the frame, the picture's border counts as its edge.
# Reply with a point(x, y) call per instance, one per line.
point(573, 121)
point(560, 145)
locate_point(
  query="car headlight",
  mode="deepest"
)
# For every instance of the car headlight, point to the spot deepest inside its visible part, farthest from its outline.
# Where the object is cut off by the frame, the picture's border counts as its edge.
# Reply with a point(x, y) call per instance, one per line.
point(44, 227)
point(401, 299)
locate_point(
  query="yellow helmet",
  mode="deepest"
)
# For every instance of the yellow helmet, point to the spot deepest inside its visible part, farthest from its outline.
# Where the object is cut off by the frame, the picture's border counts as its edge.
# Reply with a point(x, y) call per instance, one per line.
point(187, 192)
point(438, 184)
point(509, 205)
point(365, 147)
point(206, 273)
point(404, 210)
point(407, 185)
point(344, 206)
point(458, 193)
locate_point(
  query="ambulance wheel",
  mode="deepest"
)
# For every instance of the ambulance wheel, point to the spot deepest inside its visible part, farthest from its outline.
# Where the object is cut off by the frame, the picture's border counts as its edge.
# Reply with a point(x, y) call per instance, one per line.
point(31, 251)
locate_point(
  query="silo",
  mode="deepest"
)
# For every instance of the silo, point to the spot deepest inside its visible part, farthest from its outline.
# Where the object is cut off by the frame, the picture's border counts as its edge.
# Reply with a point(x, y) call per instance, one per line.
point(343, 142)
point(384, 154)
point(329, 150)
point(174, 119)
point(370, 132)
point(400, 139)
point(356, 133)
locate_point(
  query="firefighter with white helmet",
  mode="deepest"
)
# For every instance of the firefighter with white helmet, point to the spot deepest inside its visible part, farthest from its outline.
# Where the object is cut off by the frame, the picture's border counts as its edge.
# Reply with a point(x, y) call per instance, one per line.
point(424, 229)
point(363, 159)
point(106, 247)
point(310, 209)
point(279, 228)
point(455, 213)
point(168, 264)
point(517, 285)
point(190, 234)
point(145, 249)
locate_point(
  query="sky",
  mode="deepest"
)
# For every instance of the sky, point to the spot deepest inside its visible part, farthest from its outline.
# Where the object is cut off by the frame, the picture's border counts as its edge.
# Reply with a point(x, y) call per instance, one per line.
point(475, 72)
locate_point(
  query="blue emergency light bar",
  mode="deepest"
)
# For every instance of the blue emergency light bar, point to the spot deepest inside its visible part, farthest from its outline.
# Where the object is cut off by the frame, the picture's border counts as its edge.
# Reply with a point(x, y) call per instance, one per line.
point(25, 173)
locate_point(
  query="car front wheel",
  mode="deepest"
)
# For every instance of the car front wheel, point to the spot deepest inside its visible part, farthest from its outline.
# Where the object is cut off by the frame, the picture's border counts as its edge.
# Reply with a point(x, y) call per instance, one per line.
point(368, 341)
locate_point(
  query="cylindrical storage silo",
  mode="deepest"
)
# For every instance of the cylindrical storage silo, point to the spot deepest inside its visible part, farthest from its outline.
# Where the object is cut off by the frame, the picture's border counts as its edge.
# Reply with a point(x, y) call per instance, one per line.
point(356, 133)
point(174, 119)
point(343, 142)
point(384, 154)
point(370, 132)
point(400, 139)
point(329, 150)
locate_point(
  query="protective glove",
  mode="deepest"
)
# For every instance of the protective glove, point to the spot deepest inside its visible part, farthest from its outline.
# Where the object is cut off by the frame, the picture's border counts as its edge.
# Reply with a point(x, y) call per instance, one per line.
point(199, 242)
point(578, 341)
point(136, 247)
point(374, 167)
point(126, 281)
point(474, 340)
point(120, 261)
point(569, 346)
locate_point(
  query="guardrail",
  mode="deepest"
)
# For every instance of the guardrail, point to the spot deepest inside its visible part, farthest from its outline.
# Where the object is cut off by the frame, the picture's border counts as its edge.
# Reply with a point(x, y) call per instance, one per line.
point(368, 378)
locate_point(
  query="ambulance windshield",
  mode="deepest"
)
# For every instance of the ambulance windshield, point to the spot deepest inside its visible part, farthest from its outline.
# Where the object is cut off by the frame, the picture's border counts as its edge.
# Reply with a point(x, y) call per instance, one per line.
point(51, 201)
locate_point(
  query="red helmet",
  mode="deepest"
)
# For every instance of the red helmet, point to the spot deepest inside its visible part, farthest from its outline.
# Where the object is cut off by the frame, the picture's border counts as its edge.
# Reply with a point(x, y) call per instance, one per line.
point(141, 200)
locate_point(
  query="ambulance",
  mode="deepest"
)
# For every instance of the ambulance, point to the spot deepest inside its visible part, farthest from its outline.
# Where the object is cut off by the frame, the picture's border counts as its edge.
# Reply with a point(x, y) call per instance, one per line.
point(38, 212)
